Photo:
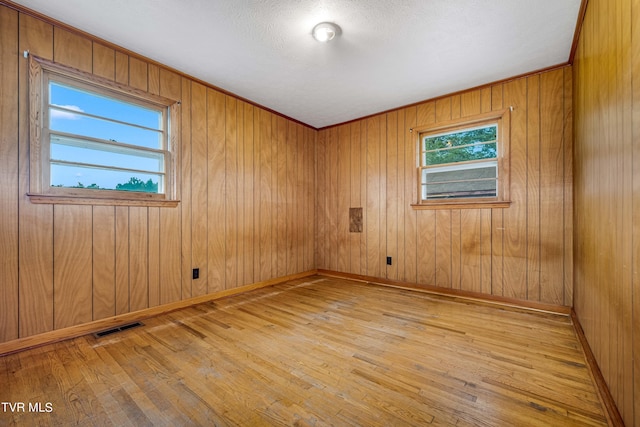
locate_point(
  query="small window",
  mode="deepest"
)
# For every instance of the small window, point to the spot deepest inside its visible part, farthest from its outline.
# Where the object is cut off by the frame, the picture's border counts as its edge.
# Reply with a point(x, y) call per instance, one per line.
point(464, 162)
point(93, 139)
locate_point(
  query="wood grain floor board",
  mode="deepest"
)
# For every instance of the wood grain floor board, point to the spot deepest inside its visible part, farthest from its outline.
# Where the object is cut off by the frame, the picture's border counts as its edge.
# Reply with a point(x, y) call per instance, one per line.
point(316, 351)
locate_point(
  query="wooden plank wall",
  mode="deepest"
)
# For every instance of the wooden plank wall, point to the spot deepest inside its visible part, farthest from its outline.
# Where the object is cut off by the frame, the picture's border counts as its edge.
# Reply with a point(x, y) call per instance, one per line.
point(607, 195)
point(523, 252)
point(247, 209)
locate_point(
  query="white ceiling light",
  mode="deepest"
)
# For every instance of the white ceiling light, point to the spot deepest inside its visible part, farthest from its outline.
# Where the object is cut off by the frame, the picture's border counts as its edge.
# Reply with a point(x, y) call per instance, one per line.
point(325, 31)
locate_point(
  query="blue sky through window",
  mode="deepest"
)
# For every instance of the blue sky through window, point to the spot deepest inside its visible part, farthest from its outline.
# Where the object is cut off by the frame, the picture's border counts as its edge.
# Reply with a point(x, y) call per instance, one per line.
point(125, 123)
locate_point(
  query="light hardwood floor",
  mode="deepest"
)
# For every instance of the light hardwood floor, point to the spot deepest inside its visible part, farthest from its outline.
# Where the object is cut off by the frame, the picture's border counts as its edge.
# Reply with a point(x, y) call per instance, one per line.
point(316, 351)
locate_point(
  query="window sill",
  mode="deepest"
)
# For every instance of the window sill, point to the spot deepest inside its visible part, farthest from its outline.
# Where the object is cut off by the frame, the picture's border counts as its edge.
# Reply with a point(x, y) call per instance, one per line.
point(462, 205)
point(70, 200)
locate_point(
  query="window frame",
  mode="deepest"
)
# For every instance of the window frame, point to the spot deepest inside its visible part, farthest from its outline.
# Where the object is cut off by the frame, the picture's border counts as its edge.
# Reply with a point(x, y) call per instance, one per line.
point(41, 72)
point(502, 199)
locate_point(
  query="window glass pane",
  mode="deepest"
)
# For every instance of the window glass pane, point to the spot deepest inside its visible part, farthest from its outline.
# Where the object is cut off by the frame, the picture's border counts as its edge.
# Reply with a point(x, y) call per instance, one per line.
point(475, 182)
point(64, 121)
point(79, 151)
point(84, 177)
point(463, 189)
point(100, 105)
point(462, 137)
point(463, 154)
point(434, 176)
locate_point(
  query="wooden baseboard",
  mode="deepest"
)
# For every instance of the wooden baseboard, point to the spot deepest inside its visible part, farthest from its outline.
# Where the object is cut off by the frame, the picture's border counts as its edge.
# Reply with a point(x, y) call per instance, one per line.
point(476, 296)
point(110, 322)
point(611, 410)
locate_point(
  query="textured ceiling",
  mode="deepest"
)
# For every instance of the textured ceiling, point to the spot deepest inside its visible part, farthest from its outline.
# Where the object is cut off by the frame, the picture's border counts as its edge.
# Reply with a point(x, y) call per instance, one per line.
point(390, 53)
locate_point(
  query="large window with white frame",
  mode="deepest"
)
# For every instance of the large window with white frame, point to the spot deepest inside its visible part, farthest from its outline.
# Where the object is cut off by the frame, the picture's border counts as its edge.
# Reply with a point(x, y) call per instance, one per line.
point(465, 161)
point(94, 140)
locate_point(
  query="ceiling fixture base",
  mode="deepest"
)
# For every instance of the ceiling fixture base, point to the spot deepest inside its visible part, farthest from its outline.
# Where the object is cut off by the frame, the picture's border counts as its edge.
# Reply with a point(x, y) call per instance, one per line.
point(325, 31)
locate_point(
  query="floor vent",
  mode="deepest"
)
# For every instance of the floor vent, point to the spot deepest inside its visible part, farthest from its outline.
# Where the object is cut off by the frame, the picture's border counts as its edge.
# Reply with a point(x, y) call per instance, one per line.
point(117, 329)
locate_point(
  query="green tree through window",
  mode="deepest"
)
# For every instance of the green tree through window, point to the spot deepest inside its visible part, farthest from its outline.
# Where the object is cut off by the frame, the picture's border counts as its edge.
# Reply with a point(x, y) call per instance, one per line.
point(476, 144)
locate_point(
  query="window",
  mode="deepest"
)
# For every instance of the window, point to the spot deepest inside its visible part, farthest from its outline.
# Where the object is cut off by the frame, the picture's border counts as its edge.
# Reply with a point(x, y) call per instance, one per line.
point(464, 162)
point(94, 141)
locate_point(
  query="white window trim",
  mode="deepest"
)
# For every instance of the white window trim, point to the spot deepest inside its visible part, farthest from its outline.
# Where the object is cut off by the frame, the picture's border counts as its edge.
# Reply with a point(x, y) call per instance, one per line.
point(40, 190)
point(502, 199)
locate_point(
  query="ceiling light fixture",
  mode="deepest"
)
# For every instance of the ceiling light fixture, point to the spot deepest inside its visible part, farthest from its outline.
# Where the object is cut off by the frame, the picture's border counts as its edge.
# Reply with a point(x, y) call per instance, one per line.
point(325, 31)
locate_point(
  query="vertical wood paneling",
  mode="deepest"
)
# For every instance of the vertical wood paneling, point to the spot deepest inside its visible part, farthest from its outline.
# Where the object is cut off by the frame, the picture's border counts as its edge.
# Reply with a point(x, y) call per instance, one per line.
point(515, 220)
point(485, 99)
point(9, 289)
point(266, 194)
point(248, 198)
point(606, 176)
point(275, 207)
point(122, 68)
point(403, 202)
point(533, 188)
point(310, 189)
point(292, 194)
point(568, 186)
point(321, 201)
point(154, 249)
point(552, 186)
point(122, 260)
point(617, 361)
point(225, 150)
point(383, 193)
point(470, 103)
point(199, 214)
point(153, 79)
point(299, 169)
point(492, 251)
point(373, 206)
point(632, 340)
point(443, 110)
point(364, 143)
point(72, 50)
point(626, 106)
point(456, 249)
point(470, 250)
point(104, 61)
point(456, 106)
point(216, 188)
point(443, 248)
point(231, 193)
point(138, 258)
point(343, 182)
point(36, 221)
point(138, 74)
point(72, 255)
point(392, 194)
point(104, 261)
point(410, 186)
point(486, 246)
point(281, 133)
point(288, 208)
point(497, 252)
point(332, 199)
point(427, 254)
point(129, 258)
point(257, 195)
point(355, 178)
point(240, 172)
point(497, 97)
point(185, 195)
